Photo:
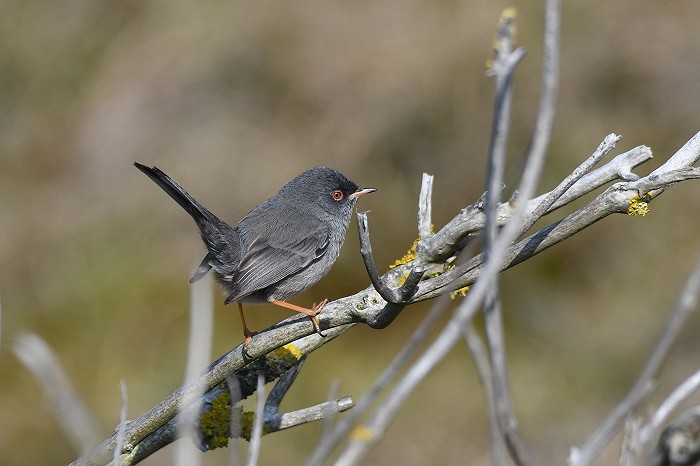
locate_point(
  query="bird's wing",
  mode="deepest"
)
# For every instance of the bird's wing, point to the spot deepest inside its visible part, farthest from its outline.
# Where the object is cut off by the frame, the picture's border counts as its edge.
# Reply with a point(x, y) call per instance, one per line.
point(278, 249)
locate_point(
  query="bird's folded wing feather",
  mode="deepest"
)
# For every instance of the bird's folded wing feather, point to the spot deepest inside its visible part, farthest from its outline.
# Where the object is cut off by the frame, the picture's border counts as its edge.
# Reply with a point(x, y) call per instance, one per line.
point(269, 258)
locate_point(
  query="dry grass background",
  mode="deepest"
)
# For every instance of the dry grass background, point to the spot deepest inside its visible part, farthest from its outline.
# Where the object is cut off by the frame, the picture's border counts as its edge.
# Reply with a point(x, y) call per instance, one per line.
point(233, 99)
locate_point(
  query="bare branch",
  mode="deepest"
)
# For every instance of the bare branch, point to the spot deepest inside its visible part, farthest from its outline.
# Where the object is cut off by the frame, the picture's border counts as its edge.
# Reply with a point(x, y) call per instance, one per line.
point(276, 421)
point(545, 114)
point(619, 167)
point(374, 428)
point(671, 403)
point(687, 302)
point(198, 355)
point(656, 184)
point(472, 219)
point(467, 273)
point(225, 423)
point(122, 422)
point(686, 156)
point(333, 394)
point(366, 250)
point(425, 222)
point(550, 199)
point(398, 297)
point(68, 407)
point(616, 199)
point(234, 391)
point(330, 441)
point(314, 413)
point(257, 430)
point(503, 69)
point(483, 369)
point(277, 394)
point(679, 444)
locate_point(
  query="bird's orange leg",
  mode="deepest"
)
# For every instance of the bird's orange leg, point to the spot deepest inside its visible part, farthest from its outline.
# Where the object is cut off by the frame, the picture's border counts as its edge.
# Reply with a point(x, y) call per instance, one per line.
point(312, 313)
point(246, 331)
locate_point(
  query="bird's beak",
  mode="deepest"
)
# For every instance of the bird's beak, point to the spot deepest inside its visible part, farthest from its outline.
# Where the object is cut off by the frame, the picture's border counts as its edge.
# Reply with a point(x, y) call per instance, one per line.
point(360, 192)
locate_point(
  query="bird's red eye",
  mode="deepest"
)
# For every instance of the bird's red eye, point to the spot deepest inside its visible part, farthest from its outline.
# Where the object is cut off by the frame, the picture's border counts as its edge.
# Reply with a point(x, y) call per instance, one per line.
point(337, 194)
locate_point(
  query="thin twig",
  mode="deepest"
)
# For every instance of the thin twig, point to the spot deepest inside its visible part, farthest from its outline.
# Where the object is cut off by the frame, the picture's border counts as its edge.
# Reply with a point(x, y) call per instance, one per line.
point(544, 121)
point(679, 444)
point(258, 423)
point(620, 167)
point(276, 421)
point(671, 403)
point(503, 69)
point(328, 417)
point(535, 161)
point(366, 251)
point(349, 422)
point(551, 198)
point(68, 407)
point(122, 421)
point(278, 392)
point(687, 302)
point(472, 218)
point(505, 414)
point(273, 420)
point(234, 390)
point(375, 427)
point(483, 370)
point(684, 157)
point(314, 413)
point(398, 296)
point(425, 222)
point(198, 356)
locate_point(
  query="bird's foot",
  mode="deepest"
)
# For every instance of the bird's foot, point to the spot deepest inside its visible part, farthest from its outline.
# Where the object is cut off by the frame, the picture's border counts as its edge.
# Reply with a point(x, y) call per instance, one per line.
point(316, 309)
point(248, 334)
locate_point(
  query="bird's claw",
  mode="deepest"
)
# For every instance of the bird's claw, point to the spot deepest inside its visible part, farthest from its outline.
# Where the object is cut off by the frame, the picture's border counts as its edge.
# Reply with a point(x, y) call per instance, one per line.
point(316, 309)
point(317, 328)
point(248, 338)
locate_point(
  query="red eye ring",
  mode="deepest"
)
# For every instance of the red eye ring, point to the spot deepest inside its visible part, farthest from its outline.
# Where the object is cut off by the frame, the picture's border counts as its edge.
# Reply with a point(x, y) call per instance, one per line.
point(337, 195)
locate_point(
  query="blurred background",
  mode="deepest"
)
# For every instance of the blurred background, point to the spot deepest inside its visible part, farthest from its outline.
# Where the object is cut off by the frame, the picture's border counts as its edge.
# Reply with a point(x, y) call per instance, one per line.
point(232, 99)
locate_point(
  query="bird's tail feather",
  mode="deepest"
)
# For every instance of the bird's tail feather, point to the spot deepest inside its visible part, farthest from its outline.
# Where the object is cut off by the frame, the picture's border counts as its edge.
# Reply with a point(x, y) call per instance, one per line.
point(199, 213)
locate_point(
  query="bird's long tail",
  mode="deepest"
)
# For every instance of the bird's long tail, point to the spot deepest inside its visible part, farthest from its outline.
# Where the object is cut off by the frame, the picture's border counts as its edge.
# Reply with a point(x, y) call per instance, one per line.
point(213, 230)
point(198, 212)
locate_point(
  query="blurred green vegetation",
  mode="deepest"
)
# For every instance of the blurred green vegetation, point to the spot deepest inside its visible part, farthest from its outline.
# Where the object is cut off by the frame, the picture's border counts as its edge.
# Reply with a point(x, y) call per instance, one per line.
point(233, 99)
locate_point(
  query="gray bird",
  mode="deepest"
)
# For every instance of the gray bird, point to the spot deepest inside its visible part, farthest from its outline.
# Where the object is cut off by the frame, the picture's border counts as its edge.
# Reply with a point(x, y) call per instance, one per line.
point(281, 247)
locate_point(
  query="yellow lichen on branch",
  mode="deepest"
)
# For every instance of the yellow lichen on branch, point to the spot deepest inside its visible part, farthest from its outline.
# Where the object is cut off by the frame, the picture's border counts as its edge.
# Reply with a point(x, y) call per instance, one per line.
point(215, 424)
point(408, 257)
point(639, 205)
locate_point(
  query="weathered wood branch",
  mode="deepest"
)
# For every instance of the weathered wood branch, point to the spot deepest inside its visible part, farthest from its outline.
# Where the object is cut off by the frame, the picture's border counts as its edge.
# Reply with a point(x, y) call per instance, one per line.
point(433, 254)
